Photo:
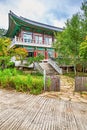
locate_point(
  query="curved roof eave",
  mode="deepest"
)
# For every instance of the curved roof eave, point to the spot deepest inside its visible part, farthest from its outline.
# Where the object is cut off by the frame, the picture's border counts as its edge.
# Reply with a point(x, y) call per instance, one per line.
point(53, 28)
point(34, 23)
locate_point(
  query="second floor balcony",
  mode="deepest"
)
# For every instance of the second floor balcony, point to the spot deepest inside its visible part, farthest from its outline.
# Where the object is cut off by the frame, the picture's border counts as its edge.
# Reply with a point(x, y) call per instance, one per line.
point(30, 42)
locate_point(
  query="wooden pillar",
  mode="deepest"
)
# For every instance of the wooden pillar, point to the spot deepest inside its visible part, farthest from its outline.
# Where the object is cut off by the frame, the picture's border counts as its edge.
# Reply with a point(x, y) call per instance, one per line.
point(22, 36)
point(35, 52)
point(46, 54)
point(52, 38)
point(55, 55)
point(33, 41)
point(43, 38)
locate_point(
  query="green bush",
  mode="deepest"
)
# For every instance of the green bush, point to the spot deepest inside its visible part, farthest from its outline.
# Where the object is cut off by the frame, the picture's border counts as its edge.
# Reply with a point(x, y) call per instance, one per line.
point(17, 80)
point(10, 64)
point(48, 83)
point(20, 83)
point(28, 83)
point(5, 77)
point(37, 85)
point(4, 81)
point(6, 72)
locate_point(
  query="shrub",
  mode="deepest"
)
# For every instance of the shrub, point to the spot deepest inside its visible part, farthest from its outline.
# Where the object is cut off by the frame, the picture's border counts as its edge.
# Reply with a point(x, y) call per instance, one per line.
point(48, 83)
point(37, 85)
point(4, 81)
point(20, 83)
point(5, 77)
point(17, 80)
point(10, 64)
point(6, 72)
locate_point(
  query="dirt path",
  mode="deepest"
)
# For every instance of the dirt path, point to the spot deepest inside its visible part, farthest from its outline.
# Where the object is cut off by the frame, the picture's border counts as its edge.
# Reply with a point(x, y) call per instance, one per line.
point(67, 91)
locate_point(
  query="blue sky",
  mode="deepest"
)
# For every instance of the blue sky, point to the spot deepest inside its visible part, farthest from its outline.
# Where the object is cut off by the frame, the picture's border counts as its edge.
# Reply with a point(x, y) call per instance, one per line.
point(52, 12)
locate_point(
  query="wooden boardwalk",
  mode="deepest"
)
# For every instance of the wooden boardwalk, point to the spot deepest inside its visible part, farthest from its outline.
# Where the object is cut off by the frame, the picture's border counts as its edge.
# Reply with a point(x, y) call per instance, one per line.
point(28, 112)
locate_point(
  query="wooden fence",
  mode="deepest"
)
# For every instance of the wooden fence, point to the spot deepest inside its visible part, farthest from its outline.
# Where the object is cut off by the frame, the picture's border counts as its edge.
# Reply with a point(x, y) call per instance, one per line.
point(55, 83)
point(80, 83)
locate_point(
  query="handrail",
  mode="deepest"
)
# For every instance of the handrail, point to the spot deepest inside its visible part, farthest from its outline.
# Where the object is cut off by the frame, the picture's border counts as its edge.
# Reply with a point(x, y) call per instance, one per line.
point(39, 68)
point(55, 66)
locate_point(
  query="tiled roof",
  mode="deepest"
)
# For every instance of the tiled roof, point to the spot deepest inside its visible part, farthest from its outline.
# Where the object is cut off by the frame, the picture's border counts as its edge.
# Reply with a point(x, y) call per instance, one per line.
point(37, 23)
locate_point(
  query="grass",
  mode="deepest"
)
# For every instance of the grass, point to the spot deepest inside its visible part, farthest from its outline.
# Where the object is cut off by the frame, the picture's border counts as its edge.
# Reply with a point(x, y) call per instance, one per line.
point(72, 74)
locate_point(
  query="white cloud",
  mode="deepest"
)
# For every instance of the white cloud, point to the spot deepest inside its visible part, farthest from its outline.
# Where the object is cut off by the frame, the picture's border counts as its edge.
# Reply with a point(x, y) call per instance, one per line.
point(3, 18)
point(49, 12)
point(59, 23)
point(33, 8)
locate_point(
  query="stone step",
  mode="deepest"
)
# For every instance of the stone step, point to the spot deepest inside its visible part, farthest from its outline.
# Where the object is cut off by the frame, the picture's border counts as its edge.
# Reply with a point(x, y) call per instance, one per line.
point(49, 69)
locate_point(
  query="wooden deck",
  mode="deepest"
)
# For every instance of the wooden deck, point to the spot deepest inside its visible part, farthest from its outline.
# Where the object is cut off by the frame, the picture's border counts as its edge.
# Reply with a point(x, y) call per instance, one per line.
point(28, 112)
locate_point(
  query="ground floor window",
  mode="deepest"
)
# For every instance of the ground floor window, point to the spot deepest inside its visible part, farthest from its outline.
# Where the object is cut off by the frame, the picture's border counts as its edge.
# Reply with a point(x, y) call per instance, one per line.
point(51, 53)
point(30, 54)
point(33, 52)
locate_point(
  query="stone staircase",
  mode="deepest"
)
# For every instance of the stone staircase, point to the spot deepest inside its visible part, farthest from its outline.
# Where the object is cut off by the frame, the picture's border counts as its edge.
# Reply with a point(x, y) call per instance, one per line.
point(49, 69)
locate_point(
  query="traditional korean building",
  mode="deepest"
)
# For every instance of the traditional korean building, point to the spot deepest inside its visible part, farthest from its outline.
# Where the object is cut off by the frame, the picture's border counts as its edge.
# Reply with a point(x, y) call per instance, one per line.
point(34, 36)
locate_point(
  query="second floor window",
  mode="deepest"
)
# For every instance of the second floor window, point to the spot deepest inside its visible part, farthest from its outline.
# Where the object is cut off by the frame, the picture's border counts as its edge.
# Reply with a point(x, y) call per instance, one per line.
point(27, 37)
point(38, 39)
point(48, 40)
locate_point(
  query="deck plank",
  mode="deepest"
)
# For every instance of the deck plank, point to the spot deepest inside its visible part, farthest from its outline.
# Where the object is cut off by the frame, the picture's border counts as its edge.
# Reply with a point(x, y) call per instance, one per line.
point(20, 111)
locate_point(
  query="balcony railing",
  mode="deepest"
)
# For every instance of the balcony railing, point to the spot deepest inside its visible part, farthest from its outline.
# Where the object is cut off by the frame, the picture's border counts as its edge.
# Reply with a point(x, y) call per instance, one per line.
point(30, 42)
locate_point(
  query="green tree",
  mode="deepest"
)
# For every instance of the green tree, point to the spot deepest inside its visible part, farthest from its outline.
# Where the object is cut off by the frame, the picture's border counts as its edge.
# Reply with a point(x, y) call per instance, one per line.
point(61, 47)
point(83, 54)
point(5, 52)
point(83, 46)
point(83, 49)
point(69, 40)
point(84, 18)
point(38, 58)
point(20, 53)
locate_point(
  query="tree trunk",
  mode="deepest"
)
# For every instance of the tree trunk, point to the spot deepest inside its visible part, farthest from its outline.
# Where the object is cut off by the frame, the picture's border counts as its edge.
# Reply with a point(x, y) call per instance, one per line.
point(67, 70)
point(75, 69)
point(3, 65)
point(21, 64)
point(83, 69)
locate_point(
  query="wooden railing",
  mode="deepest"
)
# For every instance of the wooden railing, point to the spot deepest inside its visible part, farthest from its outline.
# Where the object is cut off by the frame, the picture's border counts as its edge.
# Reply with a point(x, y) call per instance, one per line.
point(41, 42)
point(55, 66)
